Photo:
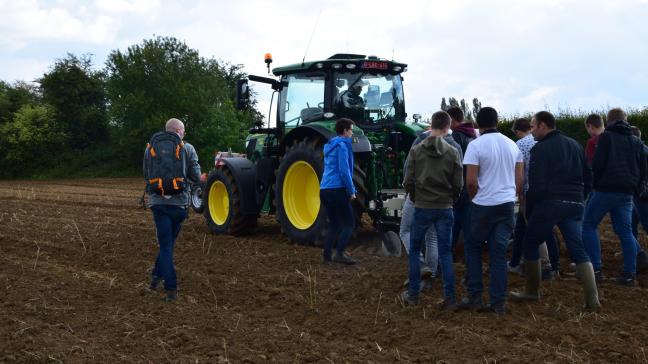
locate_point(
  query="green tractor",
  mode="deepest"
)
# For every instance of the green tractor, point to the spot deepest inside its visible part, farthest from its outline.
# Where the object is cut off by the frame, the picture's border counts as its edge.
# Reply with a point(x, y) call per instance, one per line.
point(281, 169)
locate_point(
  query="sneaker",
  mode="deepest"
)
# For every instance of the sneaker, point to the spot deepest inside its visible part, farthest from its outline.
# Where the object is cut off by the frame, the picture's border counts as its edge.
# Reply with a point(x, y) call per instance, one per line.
point(515, 268)
point(470, 303)
point(344, 259)
point(642, 262)
point(448, 305)
point(426, 272)
point(171, 296)
point(409, 300)
point(499, 309)
point(155, 282)
point(626, 279)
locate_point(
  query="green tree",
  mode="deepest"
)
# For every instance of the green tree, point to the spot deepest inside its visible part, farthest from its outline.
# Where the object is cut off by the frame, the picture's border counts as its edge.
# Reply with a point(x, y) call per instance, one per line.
point(470, 115)
point(13, 97)
point(30, 142)
point(77, 95)
point(163, 78)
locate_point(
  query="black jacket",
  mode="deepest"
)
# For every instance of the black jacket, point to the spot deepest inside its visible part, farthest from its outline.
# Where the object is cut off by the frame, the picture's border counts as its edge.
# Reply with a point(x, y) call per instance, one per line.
point(558, 170)
point(463, 134)
point(619, 162)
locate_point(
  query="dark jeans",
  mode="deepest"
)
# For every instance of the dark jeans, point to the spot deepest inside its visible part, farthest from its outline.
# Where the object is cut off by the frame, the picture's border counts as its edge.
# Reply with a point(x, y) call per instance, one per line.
point(546, 215)
point(619, 205)
point(461, 223)
point(442, 221)
point(168, 221)
point(494, 225)
point(518, 238)
point(639, 215)
point(341, 220)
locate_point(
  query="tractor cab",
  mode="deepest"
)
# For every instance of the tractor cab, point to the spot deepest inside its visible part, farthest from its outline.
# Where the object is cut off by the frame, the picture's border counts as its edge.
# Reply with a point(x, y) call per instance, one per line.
point(366, 90)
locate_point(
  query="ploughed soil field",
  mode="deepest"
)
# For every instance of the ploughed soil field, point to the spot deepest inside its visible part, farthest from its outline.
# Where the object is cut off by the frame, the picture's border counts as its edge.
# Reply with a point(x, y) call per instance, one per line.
point(75, 257)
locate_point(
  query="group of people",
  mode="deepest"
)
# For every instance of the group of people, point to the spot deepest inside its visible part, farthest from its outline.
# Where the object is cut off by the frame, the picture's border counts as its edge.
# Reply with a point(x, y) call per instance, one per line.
point(465, 181)
point(459, 183)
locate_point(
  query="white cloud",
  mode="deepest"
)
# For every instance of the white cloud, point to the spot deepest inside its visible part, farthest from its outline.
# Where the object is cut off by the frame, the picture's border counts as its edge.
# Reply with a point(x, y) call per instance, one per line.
point(516, 56)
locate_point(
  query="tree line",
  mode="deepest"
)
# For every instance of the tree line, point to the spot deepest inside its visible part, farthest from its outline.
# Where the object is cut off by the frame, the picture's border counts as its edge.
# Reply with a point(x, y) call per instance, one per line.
point(79, 121)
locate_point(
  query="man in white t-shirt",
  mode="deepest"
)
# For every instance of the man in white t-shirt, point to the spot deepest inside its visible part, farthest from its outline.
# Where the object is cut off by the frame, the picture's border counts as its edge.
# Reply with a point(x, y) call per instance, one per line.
point(494, 177)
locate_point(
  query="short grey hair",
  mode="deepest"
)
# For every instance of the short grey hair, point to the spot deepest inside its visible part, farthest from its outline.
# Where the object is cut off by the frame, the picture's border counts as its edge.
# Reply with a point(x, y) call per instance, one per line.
point(615, 115)
point(173, 124)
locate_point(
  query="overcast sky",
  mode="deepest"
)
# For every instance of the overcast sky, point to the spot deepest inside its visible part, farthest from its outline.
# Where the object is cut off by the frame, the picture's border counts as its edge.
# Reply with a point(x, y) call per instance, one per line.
point(518, 56)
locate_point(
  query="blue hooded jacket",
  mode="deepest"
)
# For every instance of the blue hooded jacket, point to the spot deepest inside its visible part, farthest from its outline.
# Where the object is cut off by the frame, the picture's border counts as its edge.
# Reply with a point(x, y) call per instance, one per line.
point(338, 165)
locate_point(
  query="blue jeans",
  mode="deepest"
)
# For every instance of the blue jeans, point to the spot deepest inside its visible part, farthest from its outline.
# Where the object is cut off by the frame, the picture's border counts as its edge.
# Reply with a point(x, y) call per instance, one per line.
point(494, 225)
point(619, 205)
point(518, 238)
point(461, 222)
point(341, 219)
point(431, 258)
point(442, 221)
point(547, 214)
point(168, 221)
point(640, 215)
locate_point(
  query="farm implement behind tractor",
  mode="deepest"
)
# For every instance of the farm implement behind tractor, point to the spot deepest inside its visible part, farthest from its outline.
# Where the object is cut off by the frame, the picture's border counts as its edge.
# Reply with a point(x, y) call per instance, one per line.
point(281, 170)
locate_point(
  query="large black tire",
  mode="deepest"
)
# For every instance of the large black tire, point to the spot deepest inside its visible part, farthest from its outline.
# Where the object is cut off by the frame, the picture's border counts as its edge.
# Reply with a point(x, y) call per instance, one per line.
point(312, 228)
point(298, 209)
point(222, 205)
point(360, 203)
point(196, 199)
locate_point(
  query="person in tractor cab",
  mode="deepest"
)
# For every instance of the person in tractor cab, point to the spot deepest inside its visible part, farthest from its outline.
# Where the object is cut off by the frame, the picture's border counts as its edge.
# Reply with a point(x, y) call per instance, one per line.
point(169, 211)
point(337, 191)
point(351, 98)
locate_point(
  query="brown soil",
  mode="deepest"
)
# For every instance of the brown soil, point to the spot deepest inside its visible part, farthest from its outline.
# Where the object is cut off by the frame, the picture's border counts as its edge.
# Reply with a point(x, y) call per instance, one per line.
point(75, 257)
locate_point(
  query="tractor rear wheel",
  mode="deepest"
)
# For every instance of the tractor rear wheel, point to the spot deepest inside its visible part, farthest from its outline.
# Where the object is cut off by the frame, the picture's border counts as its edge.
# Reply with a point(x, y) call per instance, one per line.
point(222, 205)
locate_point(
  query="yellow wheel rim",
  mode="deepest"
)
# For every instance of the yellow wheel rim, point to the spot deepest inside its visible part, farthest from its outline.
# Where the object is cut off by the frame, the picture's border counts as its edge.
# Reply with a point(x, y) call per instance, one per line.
point(218, 202)
point(300, 195)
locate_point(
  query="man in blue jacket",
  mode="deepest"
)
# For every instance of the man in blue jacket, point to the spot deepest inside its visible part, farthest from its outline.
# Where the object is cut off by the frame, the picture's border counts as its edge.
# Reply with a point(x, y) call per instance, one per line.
point(337, 191)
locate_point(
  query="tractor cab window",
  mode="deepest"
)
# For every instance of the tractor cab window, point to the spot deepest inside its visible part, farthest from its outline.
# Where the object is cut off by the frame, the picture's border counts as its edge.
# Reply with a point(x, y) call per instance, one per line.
point(302, 99)
point(368, 97)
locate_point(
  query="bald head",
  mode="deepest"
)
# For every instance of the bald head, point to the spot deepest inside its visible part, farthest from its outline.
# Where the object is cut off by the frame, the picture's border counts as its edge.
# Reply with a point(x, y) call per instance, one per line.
point(174, 125)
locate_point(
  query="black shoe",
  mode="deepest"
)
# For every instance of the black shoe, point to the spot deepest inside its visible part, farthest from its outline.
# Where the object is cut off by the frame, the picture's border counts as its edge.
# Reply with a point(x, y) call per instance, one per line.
point(499, 309)
point(626, 279)
point(448, 305)
point(155, 282)
point(409, 300)
point(326, 259)
point(470, 303)
point(547, 274)
point(171, 296)
point(642, 262)
point(344, 259)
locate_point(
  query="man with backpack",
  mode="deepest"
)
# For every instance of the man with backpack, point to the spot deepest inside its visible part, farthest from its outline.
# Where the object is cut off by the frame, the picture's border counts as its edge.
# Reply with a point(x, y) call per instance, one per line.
point(169, 165)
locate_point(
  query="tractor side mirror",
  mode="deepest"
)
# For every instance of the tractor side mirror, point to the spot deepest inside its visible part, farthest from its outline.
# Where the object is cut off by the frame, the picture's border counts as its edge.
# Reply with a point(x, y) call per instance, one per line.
point(242, 94)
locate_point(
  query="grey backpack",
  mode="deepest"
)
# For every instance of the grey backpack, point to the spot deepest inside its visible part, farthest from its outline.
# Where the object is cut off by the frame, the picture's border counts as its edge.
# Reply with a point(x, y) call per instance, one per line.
point(165, 164)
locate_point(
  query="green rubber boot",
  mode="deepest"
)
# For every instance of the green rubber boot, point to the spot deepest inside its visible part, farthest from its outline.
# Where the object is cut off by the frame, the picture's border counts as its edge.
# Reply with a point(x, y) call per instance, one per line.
point(585, 272)
point(532, 290)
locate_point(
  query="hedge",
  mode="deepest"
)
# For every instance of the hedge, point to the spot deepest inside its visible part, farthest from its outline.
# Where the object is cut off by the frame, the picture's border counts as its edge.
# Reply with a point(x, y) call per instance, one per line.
point(573, 124)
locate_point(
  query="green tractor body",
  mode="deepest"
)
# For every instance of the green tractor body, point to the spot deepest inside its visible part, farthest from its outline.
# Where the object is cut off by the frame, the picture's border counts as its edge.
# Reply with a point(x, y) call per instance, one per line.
point(282, 167)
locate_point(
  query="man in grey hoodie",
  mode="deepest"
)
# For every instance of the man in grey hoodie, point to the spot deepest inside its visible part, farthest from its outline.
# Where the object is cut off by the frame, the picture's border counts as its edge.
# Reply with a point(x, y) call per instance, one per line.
point(433, 182)
point(169, 211)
